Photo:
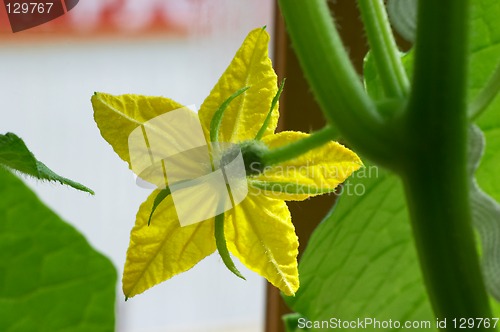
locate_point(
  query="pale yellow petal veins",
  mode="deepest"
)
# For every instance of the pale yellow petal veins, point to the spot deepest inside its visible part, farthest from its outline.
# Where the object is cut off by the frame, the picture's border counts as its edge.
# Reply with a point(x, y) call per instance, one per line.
point(118, 116)
point(316, 172)
point(260, 233)
point(245, 115)
point(163, 249)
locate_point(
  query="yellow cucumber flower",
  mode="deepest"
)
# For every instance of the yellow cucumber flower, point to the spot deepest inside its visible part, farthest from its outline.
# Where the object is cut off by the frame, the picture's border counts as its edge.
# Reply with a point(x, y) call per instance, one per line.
point(258, 231)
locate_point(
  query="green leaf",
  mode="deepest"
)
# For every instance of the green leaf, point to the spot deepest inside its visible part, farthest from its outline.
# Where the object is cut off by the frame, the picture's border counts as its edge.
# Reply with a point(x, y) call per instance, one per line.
point(372, 82)
point(293, 322)
point(485, 57)
point(403, 16)
point(361, 261)
point(50, 277)
point(15, 155)
point(373, 85)
point(485, 217)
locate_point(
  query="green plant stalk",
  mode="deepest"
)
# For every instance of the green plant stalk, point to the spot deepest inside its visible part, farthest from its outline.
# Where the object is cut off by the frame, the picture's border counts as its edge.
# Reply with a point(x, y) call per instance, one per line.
point(435, 174)
point(299, 147)
point(334, 81)
point(383, 47)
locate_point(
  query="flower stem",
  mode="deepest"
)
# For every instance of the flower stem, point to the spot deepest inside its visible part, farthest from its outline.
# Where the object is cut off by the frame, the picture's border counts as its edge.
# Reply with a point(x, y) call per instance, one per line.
point(334, 81)
point(383, 47)
point(434, 174)
point(297, 148)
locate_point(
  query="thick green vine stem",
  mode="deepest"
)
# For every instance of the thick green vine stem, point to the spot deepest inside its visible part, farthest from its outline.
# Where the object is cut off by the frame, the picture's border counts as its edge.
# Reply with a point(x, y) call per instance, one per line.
point(384, 48)
point(334, 81)
point(430, 150)
point(434, 171)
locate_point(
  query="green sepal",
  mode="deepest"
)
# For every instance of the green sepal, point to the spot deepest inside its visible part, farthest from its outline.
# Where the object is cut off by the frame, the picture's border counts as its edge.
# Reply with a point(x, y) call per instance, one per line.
point(275, 100)
point(15, 155)
point(217, 118)
point(220, 241)
point(159, 198)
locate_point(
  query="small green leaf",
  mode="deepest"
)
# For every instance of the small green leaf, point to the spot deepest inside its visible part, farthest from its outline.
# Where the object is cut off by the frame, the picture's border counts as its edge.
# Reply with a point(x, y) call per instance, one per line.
point(51, 279)
point(15, 155)
point(220, 241)
point(373, 84)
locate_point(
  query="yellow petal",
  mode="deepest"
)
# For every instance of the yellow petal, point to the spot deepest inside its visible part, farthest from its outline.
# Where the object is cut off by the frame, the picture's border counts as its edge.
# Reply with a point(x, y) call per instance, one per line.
point(260, 233)
point(316, 172)
point(245, 115)
point(118, 116)
point(164, 249)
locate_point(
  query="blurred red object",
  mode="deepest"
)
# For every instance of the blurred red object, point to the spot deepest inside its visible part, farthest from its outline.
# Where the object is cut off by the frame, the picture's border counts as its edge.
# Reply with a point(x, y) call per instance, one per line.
point(126, 18)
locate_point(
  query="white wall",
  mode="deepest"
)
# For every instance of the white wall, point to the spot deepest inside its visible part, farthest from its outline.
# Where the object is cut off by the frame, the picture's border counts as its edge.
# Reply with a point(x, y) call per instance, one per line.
point(45, 90)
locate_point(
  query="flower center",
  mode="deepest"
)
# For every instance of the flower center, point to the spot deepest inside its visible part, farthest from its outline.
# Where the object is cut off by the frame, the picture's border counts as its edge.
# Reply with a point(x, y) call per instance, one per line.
point(252, 153)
